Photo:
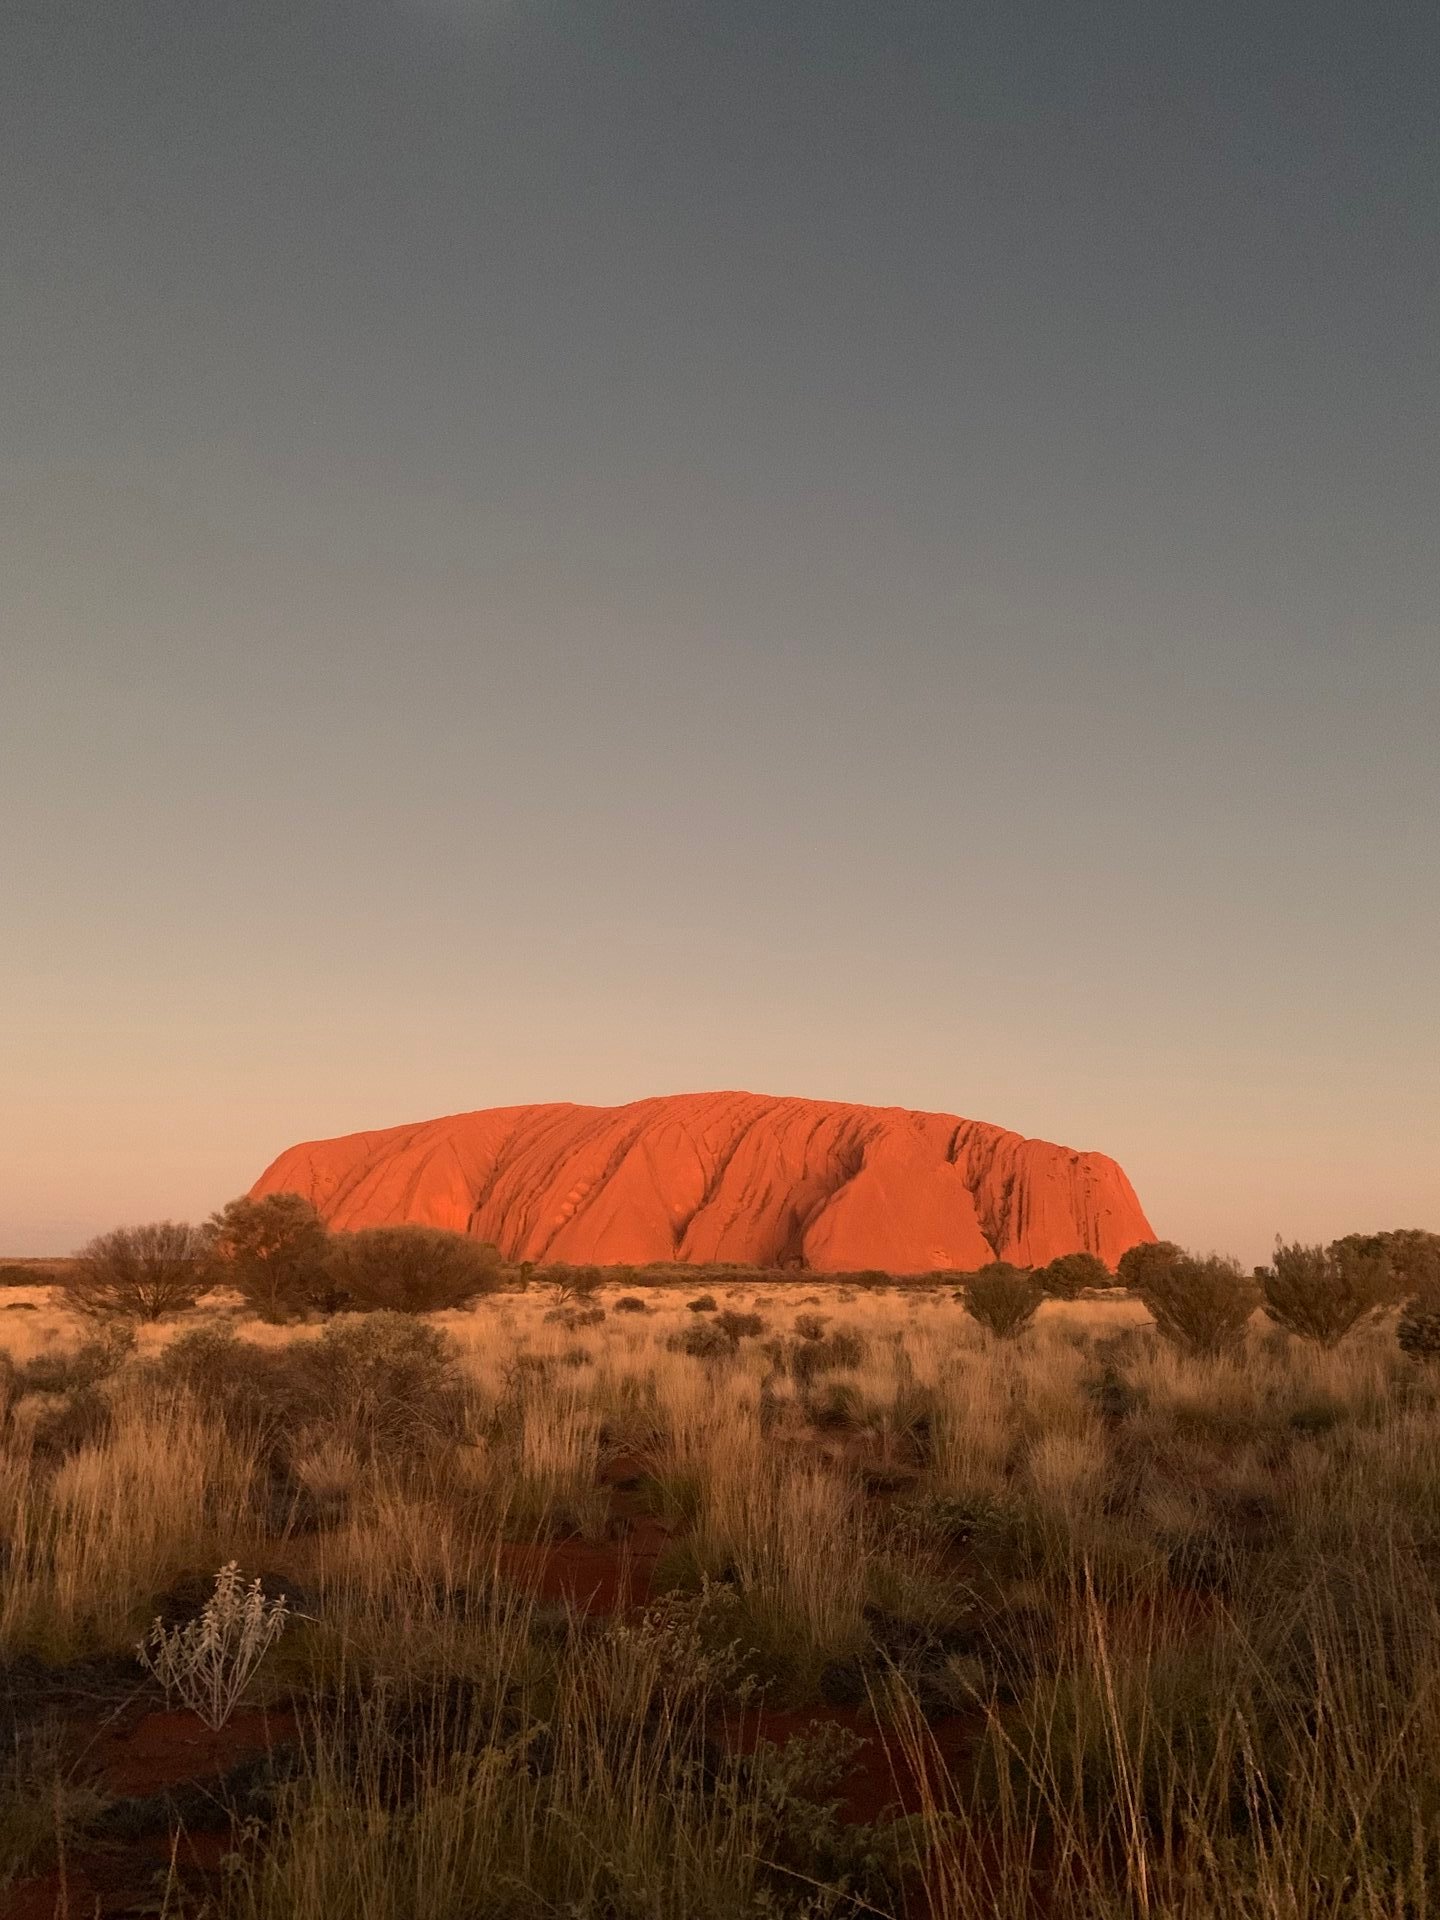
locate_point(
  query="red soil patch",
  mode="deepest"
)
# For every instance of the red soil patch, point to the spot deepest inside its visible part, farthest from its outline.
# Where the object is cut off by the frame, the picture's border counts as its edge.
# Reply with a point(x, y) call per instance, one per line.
point(71, 1895)
point(168, 1749)
point(596, 1577)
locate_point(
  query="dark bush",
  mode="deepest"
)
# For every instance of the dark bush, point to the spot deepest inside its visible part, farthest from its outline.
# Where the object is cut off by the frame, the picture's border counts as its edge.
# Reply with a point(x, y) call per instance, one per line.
point(389, 1380)
point(383, 1381)
point(273, 1251)
point(573, 1284)
point(410, 1269)
point(1073, 1274)
point(629, 1303)
point(76, 1369)
point(1202, 1305)
point(810, 1326)
point(1418, 1329)
point(1320, 1293)
point(1140, 1264)
point(573, 1317)
point(66, 1423)
point(1002, 1298)
point(142, 1273)
point(703, 1340)
point(740, 1326)
point(702, 1303)
point(1410, 1254)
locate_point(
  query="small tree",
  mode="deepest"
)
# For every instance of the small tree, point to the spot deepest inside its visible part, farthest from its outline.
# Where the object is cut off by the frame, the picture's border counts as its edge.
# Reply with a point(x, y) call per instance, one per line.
point(141, 1272)
point(573, 1285)
point(1072, 1274)
point(1410, 1254)
point(1204, 1305)
point(1139, 1265)
point(1321, 1293)
point(1002, 1298)
point(410, 1269)
point(273, 1251)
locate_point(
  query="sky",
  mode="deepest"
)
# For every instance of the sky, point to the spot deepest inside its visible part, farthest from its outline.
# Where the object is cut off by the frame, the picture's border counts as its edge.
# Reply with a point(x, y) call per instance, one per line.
point(874, 549)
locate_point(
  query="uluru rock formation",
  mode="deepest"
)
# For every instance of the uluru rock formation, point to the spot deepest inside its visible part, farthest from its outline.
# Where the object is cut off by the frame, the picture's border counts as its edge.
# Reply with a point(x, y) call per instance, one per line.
point(726, 1177)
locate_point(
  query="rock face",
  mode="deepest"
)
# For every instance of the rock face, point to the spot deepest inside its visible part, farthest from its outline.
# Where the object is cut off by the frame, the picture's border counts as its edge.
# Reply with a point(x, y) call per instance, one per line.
point(726, 1177)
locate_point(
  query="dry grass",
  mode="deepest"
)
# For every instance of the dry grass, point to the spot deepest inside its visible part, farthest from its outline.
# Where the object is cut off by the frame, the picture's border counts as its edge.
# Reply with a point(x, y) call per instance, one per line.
point(1185, 1610)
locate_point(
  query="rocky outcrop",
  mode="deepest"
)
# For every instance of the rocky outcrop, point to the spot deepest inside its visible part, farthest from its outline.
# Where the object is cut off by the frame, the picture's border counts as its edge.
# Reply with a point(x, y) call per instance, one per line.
point(728, 1177)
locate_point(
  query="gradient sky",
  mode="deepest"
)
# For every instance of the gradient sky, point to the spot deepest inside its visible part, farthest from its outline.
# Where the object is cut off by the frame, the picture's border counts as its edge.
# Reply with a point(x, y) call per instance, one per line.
point(885, 551)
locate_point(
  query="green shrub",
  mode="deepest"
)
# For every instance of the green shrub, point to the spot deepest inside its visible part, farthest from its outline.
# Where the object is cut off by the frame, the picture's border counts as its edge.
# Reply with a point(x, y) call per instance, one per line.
point(76, 1369)
point(1321, 1293)
point(409, 1269)
point(1002, 1298)
point(1411, 1255)
point(703, 1303)
point(629, 1303)
point(703, 1340)
point(273, 1251)
point(1139, 1265)
point(1202, 1305)
point(141, 1273)
point(1418, 1329)
point(739, 1326)
point(573, 1284)
point(1073, 1274)
point(389, 1381)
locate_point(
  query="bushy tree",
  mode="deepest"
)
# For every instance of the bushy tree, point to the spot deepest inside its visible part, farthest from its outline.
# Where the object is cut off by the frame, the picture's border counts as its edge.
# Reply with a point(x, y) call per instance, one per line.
point(1072, 1274)
point(1002, 1298)
point(1320, 1293)
point(273, 1251)
point(409, 1269)
point(1418, 1329)
point(140, 1272)
point(1139, 1265)
point(1202, 1305)
point(1411, 1257)
point(574, 1284)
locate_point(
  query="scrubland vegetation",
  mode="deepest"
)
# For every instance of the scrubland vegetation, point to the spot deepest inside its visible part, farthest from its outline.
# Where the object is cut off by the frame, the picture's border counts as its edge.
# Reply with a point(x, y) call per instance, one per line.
point(635, 1599)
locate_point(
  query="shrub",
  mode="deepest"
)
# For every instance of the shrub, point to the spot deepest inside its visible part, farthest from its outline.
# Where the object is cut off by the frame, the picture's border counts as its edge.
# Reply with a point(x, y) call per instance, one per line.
point(1136, 1268)
point(1418, 1329)
point(739, 1326)
point(572, 1317)
point(1204, 1305)
point(410, 1269)
point(209, 1661)
point(1411, 1257)
point(1320, 1293)
point(703, 1303)
point(573, 1283)
point(77, 1369)
point(245, 1386)
point(1072, 1274)
point(391, 1381)
point(629, 1303)
point(810, 1326)
point(807, 1358)
point(142, 1273)
point(703, 1340)
point(273, 1252)
point(1002, 1298)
